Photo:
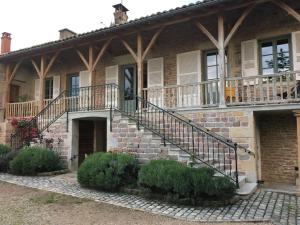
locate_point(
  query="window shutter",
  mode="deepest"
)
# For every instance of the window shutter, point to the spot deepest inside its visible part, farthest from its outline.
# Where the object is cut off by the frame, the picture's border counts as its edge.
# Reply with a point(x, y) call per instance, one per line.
point(85, 79)
point(111, 77)
point(56, 86)
point(37, 89)
point(296, 51)
point(155, 71)
point(188, 73)
point(249, 58)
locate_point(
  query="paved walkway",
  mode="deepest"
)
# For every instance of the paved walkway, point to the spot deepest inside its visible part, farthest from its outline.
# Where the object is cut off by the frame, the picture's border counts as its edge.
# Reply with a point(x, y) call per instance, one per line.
point(261, 206)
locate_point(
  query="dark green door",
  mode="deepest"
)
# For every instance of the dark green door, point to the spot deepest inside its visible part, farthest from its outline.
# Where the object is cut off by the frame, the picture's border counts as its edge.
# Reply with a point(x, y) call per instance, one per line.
point(129, 87)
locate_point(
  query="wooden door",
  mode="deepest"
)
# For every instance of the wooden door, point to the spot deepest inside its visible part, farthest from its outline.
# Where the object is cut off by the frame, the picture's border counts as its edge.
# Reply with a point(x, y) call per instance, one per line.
point(86, 140)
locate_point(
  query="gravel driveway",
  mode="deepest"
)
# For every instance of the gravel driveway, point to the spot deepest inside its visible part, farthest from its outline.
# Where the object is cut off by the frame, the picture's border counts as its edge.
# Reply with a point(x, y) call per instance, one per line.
point(24, 206)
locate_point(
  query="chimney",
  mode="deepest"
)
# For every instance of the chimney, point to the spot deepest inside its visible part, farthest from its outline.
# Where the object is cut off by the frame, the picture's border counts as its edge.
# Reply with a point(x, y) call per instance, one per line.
point(66, 33)
point(5, 42)
point(120, 14)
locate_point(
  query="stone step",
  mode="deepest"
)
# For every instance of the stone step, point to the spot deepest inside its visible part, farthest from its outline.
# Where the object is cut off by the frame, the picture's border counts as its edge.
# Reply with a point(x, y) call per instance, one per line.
point(247, 189)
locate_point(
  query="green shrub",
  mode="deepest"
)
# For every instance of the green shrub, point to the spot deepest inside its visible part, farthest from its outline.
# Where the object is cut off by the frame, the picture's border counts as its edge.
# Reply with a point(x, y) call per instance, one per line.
point(159, 176)
point(108, 171)
point(6, 155)
point(173, 178)
point(5, 159)
point(4, 149)
point(220, 187)
point(33, 160)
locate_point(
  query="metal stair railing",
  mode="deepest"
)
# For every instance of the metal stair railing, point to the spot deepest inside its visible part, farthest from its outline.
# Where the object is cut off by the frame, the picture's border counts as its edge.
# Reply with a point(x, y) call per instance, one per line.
point(202, 145)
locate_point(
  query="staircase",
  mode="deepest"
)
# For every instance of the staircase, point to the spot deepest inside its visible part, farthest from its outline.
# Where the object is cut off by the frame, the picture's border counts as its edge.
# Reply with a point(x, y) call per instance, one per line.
point(197, 144)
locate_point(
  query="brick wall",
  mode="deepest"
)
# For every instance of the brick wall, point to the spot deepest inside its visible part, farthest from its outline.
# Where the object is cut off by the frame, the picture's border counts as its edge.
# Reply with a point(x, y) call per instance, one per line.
point(278, 135)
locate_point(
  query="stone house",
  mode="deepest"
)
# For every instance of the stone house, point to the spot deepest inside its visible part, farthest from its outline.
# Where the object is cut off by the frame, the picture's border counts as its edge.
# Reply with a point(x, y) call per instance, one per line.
point(214, 82)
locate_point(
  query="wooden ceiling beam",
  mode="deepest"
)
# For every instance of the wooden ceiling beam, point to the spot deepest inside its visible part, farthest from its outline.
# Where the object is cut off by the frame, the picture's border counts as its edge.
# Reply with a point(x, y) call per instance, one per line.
point(207, 33)
point(15, 69)
point(239, 23)
point(152, 42)
point(54, 57)
point(287, 8)
point(36, 68)
point(85, 62)
point(101, 53)
point(131, 51)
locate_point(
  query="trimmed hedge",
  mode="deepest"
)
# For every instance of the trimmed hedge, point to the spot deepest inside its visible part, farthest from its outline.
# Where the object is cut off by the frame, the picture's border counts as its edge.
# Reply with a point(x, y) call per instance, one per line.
point(6, 155)
point(108, 171)
point(33, 160)
point(173, 178)
point(4, 149)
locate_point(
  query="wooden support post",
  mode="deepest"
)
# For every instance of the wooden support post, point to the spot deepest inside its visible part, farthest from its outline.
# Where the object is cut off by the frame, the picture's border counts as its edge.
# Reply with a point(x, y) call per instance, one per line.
point(140, 56)
point(41, 87)
point(42, 71)
point(222, 69)
point(140, 63)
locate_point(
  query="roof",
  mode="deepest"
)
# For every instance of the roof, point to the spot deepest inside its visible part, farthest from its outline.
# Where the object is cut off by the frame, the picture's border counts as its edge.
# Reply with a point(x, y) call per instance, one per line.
point(107, 30)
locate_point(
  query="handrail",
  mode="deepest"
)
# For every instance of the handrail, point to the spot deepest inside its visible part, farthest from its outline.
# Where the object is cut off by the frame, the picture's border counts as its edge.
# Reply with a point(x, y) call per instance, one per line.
point(227, 140)
point(199, 143)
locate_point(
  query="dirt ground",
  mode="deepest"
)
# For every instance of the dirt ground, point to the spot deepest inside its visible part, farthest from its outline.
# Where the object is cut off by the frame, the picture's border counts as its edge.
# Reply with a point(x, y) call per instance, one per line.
point(24, 206)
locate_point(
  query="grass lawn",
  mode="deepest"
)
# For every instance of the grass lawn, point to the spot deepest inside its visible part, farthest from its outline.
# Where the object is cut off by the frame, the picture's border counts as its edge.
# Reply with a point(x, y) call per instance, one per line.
point(25, 206)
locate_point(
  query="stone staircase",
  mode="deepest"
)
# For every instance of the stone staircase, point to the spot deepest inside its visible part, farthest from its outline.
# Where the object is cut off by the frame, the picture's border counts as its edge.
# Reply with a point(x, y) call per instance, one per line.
point(146, 146)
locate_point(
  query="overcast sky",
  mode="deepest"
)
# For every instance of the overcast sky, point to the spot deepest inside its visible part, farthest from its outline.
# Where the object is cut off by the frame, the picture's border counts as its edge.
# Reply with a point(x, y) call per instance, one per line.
point(34, 22)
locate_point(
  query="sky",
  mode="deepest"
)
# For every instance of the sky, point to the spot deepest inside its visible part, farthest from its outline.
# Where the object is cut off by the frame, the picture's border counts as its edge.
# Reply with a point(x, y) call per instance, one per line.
point(33, 22)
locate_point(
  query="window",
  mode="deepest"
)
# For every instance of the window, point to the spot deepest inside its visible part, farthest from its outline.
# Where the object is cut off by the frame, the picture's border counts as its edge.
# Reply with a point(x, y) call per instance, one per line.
point(275, 56)
point(73, 85)
point(49, 88)
point(212, 66)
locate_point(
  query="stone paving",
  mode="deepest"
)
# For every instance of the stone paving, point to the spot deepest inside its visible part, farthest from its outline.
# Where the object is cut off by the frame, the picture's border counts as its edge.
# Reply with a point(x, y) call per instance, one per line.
point(263, 205)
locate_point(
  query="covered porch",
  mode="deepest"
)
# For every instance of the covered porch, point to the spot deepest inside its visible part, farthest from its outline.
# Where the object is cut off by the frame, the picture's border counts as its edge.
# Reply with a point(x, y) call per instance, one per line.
point(186, 61)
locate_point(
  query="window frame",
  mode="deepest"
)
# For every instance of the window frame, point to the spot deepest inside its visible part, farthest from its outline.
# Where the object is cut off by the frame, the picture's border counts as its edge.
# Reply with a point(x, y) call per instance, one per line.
point(69, 84)
point(49, 92)
point(275, 53)
point(204, 61)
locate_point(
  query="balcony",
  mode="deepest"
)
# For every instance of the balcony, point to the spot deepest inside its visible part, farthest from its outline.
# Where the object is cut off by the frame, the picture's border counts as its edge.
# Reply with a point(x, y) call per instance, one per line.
point(254, 90)
point(239, 91)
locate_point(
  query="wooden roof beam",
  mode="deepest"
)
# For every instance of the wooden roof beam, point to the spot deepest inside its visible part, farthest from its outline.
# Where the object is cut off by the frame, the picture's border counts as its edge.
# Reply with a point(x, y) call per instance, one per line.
point(238, 24)
point(207, 33)
point(287, 8)
point(131, 51)
point(152, 42)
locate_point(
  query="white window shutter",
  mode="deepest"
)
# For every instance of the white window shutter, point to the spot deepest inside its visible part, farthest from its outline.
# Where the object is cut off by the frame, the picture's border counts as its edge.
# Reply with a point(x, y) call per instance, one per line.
point(85, 79)
point(111, 77)
point(249, 58)
point(296, 52)
point(155, 80)
point(37, 89)
point(188, 77)
point(56, 86)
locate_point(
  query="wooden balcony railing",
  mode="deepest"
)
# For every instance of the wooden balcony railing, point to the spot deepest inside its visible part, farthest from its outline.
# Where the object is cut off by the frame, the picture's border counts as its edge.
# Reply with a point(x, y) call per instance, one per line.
point(203, 94)
point(21, 109)
point(263, 89)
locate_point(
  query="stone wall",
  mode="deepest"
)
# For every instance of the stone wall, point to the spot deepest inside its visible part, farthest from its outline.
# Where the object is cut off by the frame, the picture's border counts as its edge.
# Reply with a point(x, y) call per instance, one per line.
point(278, 135)
point(235, 124)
